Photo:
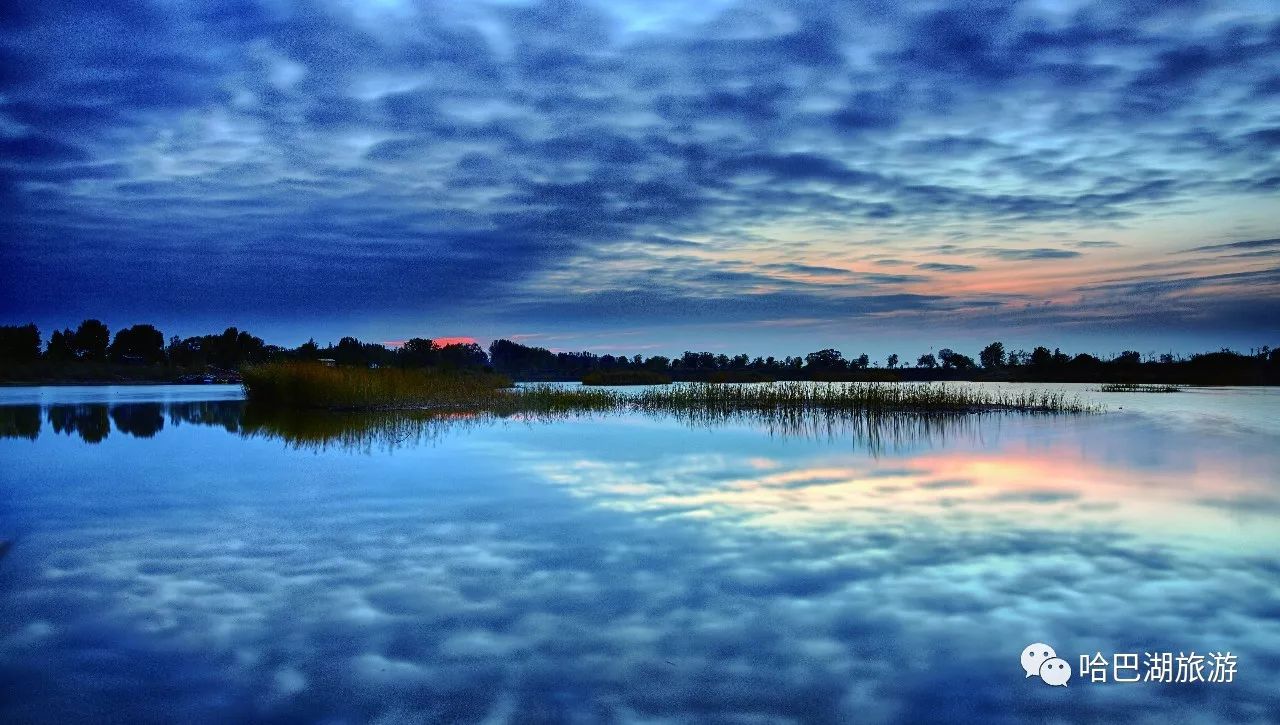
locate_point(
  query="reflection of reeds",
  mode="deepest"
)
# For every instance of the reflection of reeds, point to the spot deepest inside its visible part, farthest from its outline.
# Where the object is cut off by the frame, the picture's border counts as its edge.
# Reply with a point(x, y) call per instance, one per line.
point(367, 430)
point(867, 397)
point(876, 432)
point(1137, 388)
point(352, 430)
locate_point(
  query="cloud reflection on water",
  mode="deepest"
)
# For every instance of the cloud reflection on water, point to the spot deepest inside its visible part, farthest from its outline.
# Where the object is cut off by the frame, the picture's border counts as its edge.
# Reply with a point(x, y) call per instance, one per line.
point(667, 572)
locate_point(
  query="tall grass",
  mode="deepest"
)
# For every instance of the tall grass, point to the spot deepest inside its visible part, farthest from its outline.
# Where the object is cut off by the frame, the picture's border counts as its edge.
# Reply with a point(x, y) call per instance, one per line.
point(314, 386)
point(309, 385)
point(1137, 388)
point(868, 397)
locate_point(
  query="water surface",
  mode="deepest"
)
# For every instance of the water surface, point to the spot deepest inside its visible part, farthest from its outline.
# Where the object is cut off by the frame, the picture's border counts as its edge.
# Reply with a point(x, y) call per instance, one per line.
point(177, 557)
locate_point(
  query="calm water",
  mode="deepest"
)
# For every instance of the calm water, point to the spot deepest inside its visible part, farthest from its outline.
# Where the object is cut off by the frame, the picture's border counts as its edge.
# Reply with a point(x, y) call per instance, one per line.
point(177, 557)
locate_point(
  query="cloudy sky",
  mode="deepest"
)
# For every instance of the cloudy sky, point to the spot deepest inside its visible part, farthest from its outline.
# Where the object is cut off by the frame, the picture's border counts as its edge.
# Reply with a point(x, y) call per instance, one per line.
point(769, 177)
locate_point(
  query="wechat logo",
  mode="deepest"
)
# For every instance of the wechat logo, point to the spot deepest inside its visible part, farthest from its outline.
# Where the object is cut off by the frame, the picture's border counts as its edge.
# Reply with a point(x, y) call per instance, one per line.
point(1039, 660)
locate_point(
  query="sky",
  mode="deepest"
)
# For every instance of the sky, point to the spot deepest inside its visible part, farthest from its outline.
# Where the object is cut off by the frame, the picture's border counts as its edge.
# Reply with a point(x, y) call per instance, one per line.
point(648, 177)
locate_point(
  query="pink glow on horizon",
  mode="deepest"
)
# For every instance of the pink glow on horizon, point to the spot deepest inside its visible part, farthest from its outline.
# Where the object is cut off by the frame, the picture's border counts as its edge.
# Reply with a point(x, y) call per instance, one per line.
point(439, 341)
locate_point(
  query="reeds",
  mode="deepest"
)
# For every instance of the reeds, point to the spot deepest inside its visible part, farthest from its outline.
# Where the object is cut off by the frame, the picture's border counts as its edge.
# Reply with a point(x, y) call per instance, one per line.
point(1137, 388)
point(867, 397)
point(309, 385)
point(304, 385)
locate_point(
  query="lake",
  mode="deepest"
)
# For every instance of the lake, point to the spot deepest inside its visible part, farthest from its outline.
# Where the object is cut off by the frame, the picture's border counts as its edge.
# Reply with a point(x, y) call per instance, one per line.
point(175, 555)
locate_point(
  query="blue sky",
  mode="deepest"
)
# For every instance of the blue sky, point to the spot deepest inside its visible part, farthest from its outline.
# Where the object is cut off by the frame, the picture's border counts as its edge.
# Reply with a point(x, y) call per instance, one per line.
point(769, 177)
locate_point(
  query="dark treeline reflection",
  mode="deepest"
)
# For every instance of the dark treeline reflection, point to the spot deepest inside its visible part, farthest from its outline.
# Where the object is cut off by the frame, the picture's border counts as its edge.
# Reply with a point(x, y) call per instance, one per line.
point(94, 422)
point(365, 431)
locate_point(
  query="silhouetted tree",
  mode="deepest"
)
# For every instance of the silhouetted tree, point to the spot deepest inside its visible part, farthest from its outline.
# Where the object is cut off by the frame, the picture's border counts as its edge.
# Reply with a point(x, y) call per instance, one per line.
point(992, 356)
point(463, 355)
point(657, 363)
point(141, 342)
point(59, 348)
point(893, 361)
point(1128, 357)
point(825, 360)
point(952, 360)
point(927, 360)
point(19, 343)
point(90, 341)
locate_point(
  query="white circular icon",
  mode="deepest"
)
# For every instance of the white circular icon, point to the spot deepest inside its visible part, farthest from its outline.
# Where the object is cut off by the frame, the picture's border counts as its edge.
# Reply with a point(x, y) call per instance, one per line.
point(1055, 671)
point(1034, 656)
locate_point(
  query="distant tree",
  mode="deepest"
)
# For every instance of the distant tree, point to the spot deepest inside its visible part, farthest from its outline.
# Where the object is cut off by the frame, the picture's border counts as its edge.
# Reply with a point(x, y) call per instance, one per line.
point(231, 349)
point(992, 356)
point(1128, 357)
point(309, 350)
point(657, 363)
point(1041, 357)
point(862, 362)
point(418, 352)
point(463, 355)
point(349, 351)
point(893, 360)
point(91, 340)
point(828, 359)
point(19, 344)
point(927, 360)
point(141, 342)
point(951, 359)
point(60, 346)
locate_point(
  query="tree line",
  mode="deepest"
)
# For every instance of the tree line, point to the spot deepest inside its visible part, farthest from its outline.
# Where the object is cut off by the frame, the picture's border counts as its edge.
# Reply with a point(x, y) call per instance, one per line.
point(144, 345)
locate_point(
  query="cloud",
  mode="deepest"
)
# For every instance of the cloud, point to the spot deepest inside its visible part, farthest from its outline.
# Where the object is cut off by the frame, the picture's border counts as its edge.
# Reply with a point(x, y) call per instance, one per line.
point(944, 267)
point(391, 161)
point(1233, 246)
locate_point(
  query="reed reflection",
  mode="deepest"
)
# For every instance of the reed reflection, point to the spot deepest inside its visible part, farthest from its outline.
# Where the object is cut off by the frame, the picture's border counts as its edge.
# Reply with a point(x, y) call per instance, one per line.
point(877, 434)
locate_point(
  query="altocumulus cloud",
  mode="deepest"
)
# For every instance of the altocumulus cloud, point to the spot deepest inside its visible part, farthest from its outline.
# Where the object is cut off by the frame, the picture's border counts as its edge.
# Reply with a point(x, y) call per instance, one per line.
point(406, 157)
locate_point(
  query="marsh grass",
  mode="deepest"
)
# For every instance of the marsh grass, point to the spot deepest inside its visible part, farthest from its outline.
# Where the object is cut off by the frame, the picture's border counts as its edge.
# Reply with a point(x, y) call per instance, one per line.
point(867, 397)
point(301, 385)
point(1137, 388)
point(310, 385)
